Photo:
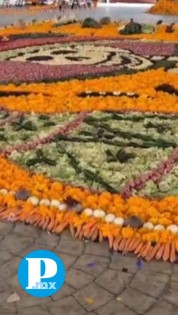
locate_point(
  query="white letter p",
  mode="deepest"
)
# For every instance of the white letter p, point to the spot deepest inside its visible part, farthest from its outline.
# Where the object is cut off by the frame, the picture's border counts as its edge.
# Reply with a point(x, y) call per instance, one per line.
point(34, 270)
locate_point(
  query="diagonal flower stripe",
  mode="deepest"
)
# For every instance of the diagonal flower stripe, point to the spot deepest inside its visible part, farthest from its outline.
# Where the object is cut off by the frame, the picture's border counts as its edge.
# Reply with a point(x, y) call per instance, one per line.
point(66, 129)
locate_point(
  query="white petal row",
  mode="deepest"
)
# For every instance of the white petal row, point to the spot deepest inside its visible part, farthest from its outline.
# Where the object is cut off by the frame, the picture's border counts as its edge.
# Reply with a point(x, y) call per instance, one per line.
point(97, 213)
point(111, 218)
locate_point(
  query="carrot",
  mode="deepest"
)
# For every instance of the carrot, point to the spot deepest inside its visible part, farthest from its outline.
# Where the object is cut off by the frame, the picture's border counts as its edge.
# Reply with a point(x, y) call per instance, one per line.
point(33, 219)
point(160, 252)
point(131, 244)
point(100, 236)
point(37, 220)
point(7, 212)
point(81, 235)
point(90, 233)
point(126, 246)
point(116, 242)
point(135, 245)
point(51, 224)
point(176, 244)
point(146, 249)
point(42, 221)
point(167, 251)
point(95, 234)
point(47, 220)
point(2, 209)
point(79, 228)
point(61, 227)
point(139, 248)
point(111, 240)
point(86, 232)
point(88, 225)
point(121, 245)
point(153, 251)
point(173, 252)
point(72, 230)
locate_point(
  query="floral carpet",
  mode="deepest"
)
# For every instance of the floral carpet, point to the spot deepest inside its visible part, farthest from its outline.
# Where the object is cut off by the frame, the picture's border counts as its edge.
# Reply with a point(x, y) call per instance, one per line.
point(89, 135)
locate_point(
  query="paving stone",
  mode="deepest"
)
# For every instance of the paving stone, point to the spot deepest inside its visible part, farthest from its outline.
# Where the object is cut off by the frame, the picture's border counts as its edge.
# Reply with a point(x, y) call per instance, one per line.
point(27, 230)
point(92, 296)
point(114, 307)
point(48, 239)
point(162, 308)
point(6, 227)
point(33, 247)
point(9, 269)
point(174, 275)
point(119, 262)
point(35, 310)
point(92, 265)
point(157, 266)
point(173, 285)
point(74, 247)
point(3, 284)
point(13, 282)
point(7, 311)
point(68, 306)
point(114, 281)
point(66, 290)
point(171, 296)
point(150, 282)
point(15, 243)
point(67, 259)
point(4, 306)
point(27, 300)
point(5, 256)
point(66, 235)
point(136, 300)
point(100, 249)
point(78, 279)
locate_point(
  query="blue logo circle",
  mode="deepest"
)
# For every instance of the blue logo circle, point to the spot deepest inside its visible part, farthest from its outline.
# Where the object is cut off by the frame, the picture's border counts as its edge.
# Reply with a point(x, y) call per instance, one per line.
point(41, 273)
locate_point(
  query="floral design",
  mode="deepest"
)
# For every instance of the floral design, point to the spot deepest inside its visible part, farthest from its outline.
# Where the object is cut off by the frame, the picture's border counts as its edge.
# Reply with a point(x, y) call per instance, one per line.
point(88, 136)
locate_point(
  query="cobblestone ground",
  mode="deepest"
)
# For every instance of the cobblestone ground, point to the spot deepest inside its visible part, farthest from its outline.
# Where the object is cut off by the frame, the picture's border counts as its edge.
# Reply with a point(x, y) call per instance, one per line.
point(98, 282)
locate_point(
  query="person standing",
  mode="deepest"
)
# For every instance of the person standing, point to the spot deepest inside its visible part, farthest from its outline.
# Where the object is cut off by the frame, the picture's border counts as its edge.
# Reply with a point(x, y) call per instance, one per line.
point(75, 3)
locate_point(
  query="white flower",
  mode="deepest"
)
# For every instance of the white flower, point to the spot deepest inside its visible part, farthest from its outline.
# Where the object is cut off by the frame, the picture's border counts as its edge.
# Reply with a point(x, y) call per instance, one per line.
point(45, 202)
point(148, 225)
point(119, 221)
point(99, 213)
point(173, 228)
point(88, 212)
point(62, 207)
point(159, 227)
point(34, 200)
point(3, 191)
point(55, 203)
point(109, 218)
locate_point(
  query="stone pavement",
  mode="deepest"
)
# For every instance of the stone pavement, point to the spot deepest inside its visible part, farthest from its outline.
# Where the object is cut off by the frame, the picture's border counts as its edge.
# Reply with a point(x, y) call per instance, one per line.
point(98, 282)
